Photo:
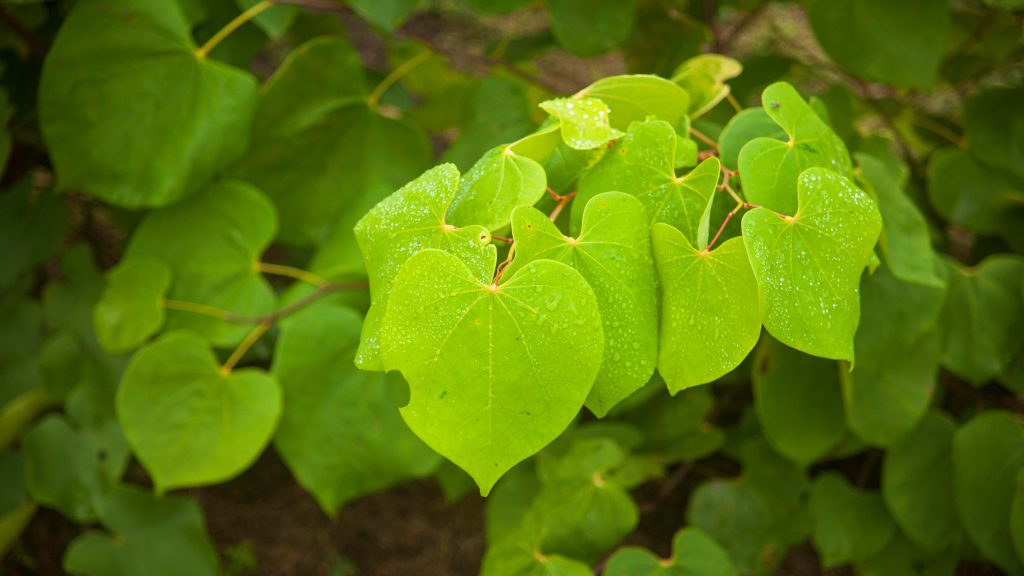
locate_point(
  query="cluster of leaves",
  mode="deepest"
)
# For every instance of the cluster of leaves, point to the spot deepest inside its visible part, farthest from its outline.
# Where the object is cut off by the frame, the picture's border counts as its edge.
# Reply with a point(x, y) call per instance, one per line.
point(618, 249)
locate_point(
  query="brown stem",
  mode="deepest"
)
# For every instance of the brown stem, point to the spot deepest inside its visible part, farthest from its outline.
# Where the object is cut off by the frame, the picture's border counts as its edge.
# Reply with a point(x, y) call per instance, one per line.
point(34, 44)
point(563, 201)
point(704, 138)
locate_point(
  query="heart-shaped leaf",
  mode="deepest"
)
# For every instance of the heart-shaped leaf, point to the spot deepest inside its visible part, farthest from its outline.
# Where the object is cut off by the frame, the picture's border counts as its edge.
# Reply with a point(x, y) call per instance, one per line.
point(694, 553)
point(585, 121)
point(849, 525)
point(988, 456)
point(983, 316)
point(613, 253)
point(495, 372)
point(200, 108)
point(189, 422)
point(638, 97)
point(147, 535)
point(808, 265)
point(894, 383)
point(131, 309)
point(643, 165)
point(703, 78)
point(340, 430)
point(917, 484)
point(495, 186)
point(799, 402)
point(710, 315)
point(411, 219)
point(770, 168)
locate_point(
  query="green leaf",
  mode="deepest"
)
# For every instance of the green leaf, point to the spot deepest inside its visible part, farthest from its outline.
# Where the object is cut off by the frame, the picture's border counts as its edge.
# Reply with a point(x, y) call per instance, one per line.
point(799, 402)
point(994, 126)
point(710, 319)
point(643, 165)
point(968, 194)
point(901, 556)
point(319, 76)
point(613, 254)
point(1017, 517)
point(591, 27)
point(771, 168)
point(73, 470)
point(148, 535)
point(510, 501)
point(274, 21)
point(808, 266)
point(638, 97)
point(521, 556)
point(703, 77)
point(407, 221)
point(21, 329)
point(693, 554)
point(131, 309)
point(200, 109)
point(584, 121)
point(917, 484)
point(848, 525)
point(982, 318)
point(896, 43)
point(466, 347)
point(189, 422)
point(750, 124)
point(31, 230)
point(580, 510)
point(13, 488)
point(500, 111)
point(899, 348)
point(988, 455)
point(676, 428)
point(757, 516)
point(212, 243)
point(315, 151)
point(906, 240)
point(385, 14)
point(340, 431)
point(497, 184)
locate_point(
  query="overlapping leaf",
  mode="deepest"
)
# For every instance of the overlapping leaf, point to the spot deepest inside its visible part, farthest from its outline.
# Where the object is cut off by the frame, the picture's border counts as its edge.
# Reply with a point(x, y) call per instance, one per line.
point(340, 430)
point(643, 165)
point(131, 309)
point(495, 372)
point(638, 97)
point(412, 219)
point(693, 554)
point(710, 314)
point(494, 187)
point(703, 77)
point(771, 168)
point(585, 122)
point(613, 254)
point(147, 535)
point(212, 243)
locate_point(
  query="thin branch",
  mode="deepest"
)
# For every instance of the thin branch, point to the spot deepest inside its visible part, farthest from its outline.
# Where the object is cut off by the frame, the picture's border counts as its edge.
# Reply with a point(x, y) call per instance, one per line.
point(704, 138)
point(34, 44)
point(563, 201)
point(747, 19)
point(244, 347)
point(299, 304)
